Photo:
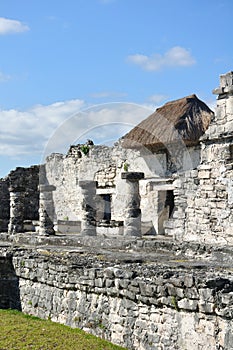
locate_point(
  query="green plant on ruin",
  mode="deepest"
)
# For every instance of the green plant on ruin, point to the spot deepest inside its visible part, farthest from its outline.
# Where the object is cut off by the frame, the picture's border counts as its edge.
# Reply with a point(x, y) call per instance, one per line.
point(126, 167)
point(175, 304)
point(85, 149)
point(102, 326)
point(98, 323)
point(101, 257)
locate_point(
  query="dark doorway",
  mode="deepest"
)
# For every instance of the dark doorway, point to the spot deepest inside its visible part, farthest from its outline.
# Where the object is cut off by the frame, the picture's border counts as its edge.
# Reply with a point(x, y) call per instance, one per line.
point(107, 207)
point(170, 202)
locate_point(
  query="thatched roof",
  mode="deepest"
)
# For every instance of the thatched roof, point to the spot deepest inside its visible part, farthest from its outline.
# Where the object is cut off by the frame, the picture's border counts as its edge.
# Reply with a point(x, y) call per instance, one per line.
point(185, 119)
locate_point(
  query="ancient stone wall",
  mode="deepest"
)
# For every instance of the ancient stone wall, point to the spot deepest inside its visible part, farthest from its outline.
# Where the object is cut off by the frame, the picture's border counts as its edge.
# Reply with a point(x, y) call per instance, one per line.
point(139, 306)
point(185, 190)
point(203, 205)
point(204, 196)
point(20, 197)
point(210, 211)
point(102, 164)
point(31, 206)
point(4, 204)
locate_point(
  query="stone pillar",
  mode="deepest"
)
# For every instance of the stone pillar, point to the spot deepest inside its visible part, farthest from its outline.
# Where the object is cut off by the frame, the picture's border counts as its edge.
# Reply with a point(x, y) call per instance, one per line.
point(88, 220)
point(46, 210)
point(17, 196)
point(132, 215)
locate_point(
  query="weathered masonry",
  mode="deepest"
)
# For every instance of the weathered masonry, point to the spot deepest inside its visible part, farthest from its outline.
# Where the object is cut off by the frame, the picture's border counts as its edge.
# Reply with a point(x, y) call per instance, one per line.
point(183, 152)
point(19, 205)
point(133, 242)
point(145, 297)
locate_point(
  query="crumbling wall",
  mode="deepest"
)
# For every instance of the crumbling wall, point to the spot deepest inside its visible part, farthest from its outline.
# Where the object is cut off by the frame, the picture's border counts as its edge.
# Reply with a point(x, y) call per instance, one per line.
point(32, 193)
point(4, 204)
point(104, 165)
point(24, 181)
point(27, 179)
point(204, 196)
point(139, 306)
point(101, 164)
point(210, 212)
point(209, 216)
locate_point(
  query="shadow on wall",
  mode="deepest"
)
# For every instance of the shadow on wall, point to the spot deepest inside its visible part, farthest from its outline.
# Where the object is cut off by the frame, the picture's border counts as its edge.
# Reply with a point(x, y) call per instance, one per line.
point(9, 285)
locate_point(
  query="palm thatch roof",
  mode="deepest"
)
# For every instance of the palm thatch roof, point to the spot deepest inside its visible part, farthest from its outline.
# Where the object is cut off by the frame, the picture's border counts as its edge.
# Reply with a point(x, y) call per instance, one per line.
point(185, 119)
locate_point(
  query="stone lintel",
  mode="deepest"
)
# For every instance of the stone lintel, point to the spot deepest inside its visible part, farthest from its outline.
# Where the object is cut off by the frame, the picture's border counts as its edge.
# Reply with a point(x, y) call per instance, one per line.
point(132, 176)
point(223, 92)
point(46, 188)
point(101, 191)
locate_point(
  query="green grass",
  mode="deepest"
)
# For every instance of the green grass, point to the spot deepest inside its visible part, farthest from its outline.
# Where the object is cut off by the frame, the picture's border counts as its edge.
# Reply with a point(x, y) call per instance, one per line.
point(19, 331)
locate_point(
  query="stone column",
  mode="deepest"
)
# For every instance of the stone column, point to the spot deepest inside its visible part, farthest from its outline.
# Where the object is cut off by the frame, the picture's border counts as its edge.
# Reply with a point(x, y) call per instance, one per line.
point(46, 210)
point(88, 220)
point(132, 215)
point(17, 196)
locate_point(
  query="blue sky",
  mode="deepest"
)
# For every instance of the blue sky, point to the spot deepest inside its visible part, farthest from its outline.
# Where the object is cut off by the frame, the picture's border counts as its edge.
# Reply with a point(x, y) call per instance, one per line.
point(59, 58)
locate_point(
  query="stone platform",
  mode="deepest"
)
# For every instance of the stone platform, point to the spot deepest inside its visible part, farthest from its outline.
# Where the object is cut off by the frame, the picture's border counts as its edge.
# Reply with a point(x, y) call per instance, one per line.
point(142, 293)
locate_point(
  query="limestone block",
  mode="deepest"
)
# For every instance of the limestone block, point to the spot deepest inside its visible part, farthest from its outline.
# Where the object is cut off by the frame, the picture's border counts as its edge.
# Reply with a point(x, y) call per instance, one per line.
point(229, 230)
point(206, 294)
point(206, 307)
point(179, 214)
point(204, 174)
point(205, 166)
point(179, 292)
point(225, 214)
point(192, 293)
point(188, 304)
point(208, 187)
point(200, 202)
point(188, 281)
point(227, 298)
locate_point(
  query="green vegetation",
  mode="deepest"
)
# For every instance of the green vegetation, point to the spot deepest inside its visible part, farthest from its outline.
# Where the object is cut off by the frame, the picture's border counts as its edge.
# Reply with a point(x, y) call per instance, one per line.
point(85, 149)
point(174, 303)
point(126, 167)
point(21, 332)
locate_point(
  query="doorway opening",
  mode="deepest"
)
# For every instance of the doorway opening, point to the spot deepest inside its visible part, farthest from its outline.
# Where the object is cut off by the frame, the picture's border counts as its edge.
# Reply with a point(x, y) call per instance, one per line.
point(170, 202)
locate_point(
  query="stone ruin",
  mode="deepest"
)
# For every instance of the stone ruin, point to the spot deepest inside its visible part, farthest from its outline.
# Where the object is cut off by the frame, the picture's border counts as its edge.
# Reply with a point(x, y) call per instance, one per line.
point(132, 243)
point(171, 175)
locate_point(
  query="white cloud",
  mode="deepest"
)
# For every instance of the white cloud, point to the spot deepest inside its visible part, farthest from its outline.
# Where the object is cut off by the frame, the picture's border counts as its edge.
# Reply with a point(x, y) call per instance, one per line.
point(4, 77)
point(11, 26)
point(53, 128)
point(104, 124)
point(176, 56)
point(26, 132)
